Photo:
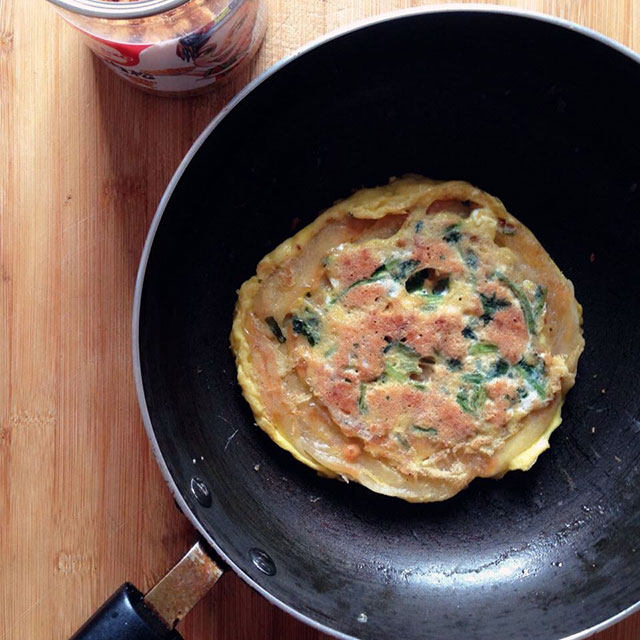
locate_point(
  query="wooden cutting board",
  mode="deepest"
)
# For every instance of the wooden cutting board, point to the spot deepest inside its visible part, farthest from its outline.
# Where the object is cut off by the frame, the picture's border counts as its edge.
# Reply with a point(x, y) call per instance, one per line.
point(84, 158)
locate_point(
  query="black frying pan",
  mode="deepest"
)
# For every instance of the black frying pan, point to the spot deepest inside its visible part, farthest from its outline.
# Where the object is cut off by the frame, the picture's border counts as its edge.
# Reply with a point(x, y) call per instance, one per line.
point(544, 115)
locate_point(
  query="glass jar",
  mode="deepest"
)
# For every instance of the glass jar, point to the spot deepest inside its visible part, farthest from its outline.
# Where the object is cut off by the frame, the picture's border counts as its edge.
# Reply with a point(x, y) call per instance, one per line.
point(170, 47)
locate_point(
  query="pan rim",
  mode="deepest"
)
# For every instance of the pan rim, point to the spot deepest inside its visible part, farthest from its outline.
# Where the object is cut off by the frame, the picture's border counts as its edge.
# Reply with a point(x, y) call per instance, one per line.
point(166, 196)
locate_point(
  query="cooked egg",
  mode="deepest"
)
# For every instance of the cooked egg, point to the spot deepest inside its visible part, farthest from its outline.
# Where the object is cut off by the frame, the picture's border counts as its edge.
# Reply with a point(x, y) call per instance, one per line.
point(415, 336)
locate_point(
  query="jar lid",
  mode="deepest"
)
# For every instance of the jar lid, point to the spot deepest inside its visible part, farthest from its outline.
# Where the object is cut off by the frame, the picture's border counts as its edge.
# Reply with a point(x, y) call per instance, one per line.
point(118, 10)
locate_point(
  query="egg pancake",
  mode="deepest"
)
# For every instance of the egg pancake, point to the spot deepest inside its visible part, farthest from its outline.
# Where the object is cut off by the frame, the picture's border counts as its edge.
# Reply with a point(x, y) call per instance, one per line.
point(413, 337)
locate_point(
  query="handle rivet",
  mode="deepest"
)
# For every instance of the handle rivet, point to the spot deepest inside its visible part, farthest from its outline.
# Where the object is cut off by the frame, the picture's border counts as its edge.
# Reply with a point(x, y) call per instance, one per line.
point(200, 491)
point(263, 561)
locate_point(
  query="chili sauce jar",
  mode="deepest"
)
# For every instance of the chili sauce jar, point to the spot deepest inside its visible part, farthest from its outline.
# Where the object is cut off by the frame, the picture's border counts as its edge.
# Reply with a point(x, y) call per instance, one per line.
point(170, 47)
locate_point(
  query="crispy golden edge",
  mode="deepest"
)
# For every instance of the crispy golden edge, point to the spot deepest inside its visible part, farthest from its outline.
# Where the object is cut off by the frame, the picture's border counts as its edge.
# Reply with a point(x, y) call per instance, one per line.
point(250, 389)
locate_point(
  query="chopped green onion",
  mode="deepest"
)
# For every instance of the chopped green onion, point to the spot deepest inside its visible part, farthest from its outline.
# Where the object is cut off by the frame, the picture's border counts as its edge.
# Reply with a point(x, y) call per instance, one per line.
point(534, 375)
point(490, 305)
point(400, 362)
point(404, 443)
point(522, 299)
point(275, 329)
point(396, 269)
point(451, 234)
point(401, 269)
point(463, 400)
point(479, 397)
point(499, 368)
point(471, 259)
point(471, 402)
point(468, 333)
point(540, 299)
point(482, 347)
point(429, 431)
point(362, 400)
point(308, 326)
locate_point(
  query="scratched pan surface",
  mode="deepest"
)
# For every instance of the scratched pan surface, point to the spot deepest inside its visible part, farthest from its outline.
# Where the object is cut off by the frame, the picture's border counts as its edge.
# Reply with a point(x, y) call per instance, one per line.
point(542, 116)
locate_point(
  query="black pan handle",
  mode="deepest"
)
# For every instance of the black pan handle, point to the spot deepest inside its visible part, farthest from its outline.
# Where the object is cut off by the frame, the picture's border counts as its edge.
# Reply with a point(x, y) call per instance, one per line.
point(125, 615)
point(129, 615)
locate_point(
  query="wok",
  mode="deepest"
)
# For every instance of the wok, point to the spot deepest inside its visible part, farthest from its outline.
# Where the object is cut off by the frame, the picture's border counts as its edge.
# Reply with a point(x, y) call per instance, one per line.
point(539, 112)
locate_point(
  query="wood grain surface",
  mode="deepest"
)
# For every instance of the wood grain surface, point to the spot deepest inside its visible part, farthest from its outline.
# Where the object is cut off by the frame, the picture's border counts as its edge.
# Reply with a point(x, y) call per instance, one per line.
point(84, 159)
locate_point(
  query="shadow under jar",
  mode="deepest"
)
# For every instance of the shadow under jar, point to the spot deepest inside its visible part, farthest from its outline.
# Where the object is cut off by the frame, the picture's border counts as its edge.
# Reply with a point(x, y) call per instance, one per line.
point(170, 47)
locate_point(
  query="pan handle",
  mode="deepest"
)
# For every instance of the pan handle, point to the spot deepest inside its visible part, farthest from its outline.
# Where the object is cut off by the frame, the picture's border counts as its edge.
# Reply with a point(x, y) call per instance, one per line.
point(130, 615)
point(125, 615)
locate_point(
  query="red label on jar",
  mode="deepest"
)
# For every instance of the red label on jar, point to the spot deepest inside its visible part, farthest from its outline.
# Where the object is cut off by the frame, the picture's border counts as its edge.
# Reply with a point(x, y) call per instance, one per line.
point(120, 53)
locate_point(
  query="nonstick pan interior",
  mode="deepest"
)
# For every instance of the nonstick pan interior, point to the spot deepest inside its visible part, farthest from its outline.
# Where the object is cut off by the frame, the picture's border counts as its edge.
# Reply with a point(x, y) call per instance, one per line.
point(542, 116)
